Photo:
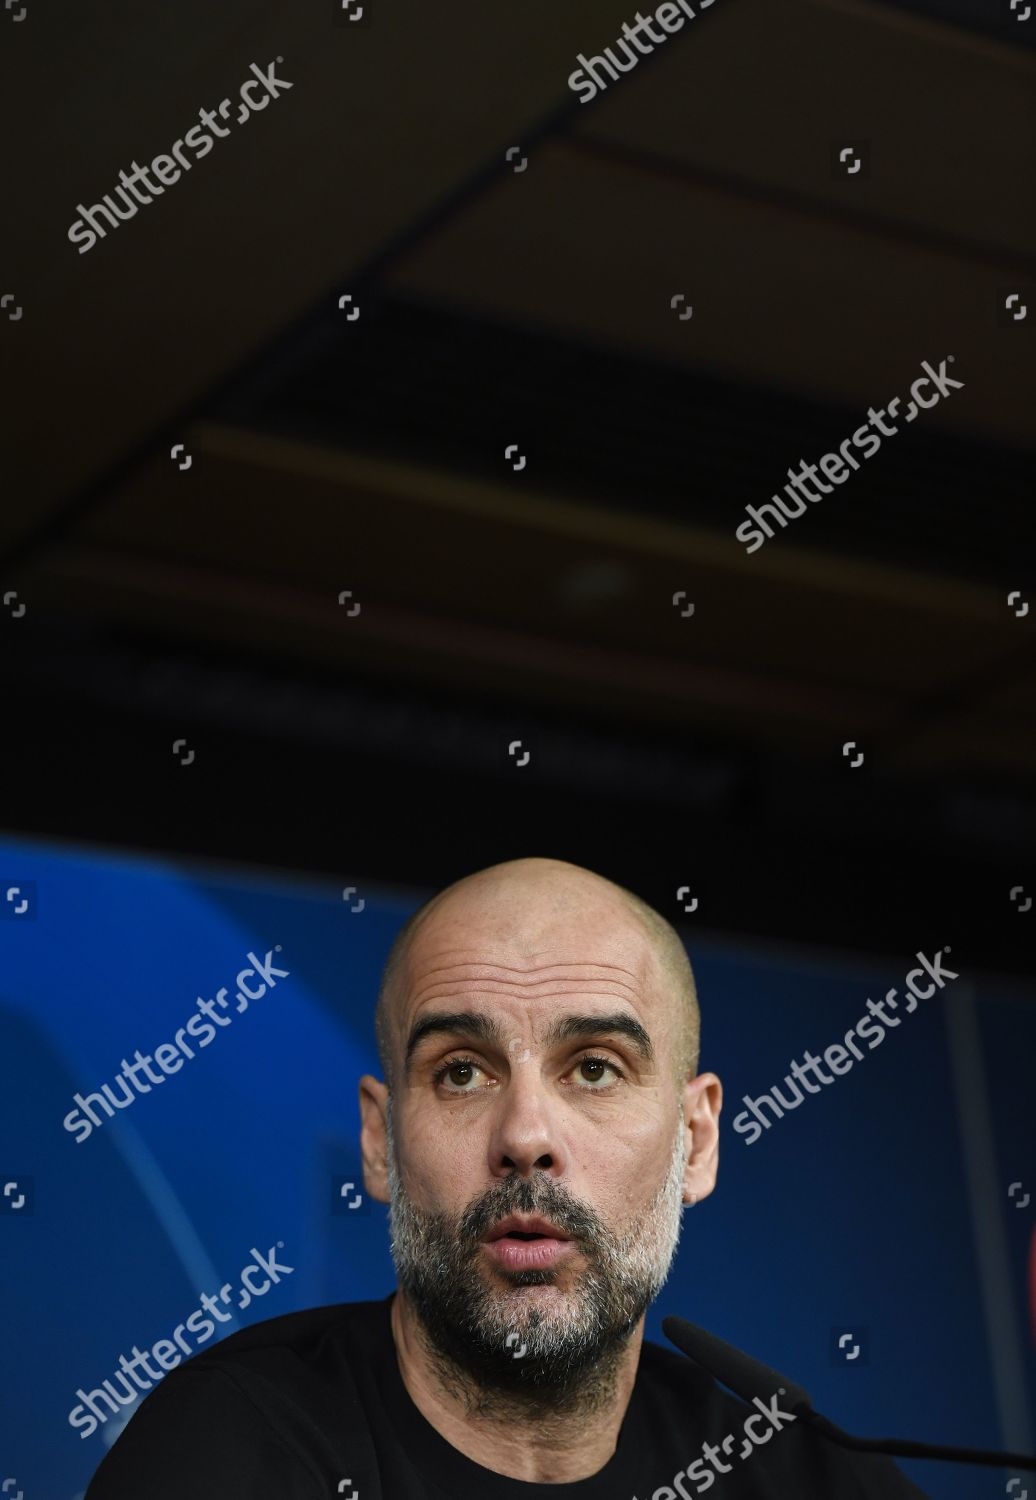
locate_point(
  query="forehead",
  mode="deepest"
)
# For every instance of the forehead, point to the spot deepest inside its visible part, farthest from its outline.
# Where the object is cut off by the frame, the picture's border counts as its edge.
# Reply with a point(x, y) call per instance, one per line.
point(499, 955)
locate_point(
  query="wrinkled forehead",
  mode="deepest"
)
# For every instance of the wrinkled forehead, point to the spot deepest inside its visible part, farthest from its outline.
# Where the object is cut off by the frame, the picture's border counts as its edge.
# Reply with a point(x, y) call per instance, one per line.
point(504, 962)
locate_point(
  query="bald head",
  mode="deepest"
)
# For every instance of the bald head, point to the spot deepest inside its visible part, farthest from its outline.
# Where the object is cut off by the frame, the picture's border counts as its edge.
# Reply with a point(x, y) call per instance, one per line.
point(527, 904)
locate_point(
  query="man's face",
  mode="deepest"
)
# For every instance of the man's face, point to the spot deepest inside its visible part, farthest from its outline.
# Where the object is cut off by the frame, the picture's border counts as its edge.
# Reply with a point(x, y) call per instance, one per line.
point(583, 1130)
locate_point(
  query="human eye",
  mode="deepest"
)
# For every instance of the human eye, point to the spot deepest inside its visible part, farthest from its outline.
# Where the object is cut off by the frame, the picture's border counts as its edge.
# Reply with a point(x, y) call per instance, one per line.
point(456, 1065)
point(593, 1063)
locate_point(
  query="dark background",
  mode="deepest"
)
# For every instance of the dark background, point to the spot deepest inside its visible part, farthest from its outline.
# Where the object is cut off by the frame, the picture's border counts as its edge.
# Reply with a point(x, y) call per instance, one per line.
point(533, 308)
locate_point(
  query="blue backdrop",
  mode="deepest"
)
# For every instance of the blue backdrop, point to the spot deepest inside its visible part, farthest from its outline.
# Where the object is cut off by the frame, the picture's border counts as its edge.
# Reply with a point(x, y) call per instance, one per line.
point(880, 1208)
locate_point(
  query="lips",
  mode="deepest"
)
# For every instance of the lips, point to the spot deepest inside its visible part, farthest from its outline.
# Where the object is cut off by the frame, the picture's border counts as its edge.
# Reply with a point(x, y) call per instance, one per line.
point(525, 1227)
point(527, 1242)
point(529, 1255)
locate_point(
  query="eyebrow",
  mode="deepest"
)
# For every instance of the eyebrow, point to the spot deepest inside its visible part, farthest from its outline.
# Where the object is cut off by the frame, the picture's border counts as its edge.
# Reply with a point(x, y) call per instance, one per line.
point(484, 1028)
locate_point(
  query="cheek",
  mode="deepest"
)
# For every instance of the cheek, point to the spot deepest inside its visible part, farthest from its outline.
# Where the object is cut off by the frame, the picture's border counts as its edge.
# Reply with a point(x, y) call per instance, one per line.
point(445, 1171)
point(622, 1171)
point(633, 1167)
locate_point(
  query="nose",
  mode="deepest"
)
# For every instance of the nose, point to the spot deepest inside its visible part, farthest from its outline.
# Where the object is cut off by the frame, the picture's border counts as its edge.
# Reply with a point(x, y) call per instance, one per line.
point(525, 1137)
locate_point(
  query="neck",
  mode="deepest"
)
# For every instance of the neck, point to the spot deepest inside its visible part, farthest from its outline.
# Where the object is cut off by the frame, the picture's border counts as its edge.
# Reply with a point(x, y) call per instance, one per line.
point(540, 1436)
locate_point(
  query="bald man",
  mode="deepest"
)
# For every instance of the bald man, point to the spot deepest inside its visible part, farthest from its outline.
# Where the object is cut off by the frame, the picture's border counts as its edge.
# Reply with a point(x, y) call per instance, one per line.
point(539, 1129)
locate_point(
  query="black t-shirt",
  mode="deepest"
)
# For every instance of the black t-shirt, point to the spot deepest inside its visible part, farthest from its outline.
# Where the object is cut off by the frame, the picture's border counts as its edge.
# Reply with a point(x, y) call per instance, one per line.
point(312, 1406)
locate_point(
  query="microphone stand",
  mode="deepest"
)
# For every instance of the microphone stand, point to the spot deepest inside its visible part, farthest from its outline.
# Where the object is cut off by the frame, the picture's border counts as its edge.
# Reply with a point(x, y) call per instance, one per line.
point(749, 1378)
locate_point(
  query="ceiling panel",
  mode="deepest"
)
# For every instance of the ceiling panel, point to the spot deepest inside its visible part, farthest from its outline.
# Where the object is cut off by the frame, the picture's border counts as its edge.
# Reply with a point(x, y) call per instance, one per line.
point(813, 306)
point(558, 600)
point(758, 94)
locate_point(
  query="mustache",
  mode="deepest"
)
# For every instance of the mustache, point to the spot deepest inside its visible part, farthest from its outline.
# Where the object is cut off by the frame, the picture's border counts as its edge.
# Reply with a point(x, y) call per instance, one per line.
point(516, 1195)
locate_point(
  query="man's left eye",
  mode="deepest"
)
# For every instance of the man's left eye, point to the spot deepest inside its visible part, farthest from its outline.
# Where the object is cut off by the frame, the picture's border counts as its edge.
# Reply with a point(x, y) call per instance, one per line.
point(594, 1064)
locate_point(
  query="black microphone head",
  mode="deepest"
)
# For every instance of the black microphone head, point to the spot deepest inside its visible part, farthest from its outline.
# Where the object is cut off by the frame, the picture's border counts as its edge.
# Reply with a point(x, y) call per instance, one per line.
point(745, 1376)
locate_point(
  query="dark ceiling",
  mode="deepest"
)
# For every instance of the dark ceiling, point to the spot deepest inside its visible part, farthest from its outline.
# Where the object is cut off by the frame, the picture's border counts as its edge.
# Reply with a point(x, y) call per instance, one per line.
point(533, 308)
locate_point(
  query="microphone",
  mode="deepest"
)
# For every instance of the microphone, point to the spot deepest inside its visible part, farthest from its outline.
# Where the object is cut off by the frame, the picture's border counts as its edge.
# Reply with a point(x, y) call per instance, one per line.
point(749, 1378)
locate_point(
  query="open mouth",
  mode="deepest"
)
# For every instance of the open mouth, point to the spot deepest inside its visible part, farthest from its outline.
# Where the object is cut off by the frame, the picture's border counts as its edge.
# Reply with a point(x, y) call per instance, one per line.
point(527, 1243)
point(524, 1227)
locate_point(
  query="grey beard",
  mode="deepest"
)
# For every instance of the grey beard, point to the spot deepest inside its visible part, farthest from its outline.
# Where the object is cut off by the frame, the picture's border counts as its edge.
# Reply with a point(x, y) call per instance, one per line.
point(491, 1348)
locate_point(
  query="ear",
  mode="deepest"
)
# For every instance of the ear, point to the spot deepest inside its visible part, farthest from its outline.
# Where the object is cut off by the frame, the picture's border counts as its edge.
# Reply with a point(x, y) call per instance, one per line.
point(703, 1100)
point(374, 1137)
